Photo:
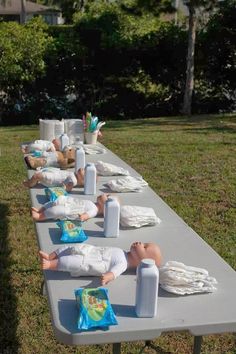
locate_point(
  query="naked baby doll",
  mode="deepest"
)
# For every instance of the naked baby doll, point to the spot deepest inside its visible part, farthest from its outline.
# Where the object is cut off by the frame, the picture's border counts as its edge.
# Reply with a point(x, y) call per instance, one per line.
point(54, 177)
point(42, 145)
point(63, 159)
point(106, 262)
point(72, 208)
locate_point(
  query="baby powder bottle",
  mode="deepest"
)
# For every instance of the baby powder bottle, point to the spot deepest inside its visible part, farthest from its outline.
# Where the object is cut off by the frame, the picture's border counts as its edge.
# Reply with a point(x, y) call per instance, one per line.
point(64, 139)
point(90, 179)
point(79, 159)
point(111, 217)
point(147, 288)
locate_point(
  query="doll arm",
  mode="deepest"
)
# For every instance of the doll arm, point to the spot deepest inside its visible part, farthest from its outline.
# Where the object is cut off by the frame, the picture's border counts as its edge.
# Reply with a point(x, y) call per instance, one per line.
point(107, 277)
point(84, 217)
point(68, 186)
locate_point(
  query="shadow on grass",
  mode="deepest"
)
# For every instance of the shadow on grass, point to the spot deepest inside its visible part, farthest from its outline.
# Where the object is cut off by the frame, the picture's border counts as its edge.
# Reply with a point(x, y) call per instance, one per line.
point(8, 314)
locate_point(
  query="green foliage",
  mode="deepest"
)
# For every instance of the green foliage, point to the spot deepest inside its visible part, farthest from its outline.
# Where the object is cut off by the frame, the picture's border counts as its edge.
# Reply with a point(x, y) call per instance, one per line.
point(21, 53)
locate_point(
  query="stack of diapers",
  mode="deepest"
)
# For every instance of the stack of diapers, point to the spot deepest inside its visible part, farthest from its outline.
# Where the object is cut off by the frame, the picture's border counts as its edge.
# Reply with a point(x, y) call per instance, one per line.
point(136, 216)
point(94, 307)
point(177, 278)
point(92, 149)
point(108, 169)
point(127, 184)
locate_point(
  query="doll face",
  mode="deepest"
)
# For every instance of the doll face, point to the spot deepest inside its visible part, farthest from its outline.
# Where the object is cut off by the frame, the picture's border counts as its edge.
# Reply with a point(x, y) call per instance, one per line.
point(140, 250)
point(101, 200)
point(57, 144)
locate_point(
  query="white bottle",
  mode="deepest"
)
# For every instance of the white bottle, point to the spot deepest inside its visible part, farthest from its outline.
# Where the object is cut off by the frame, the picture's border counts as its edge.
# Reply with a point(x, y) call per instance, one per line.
point(147, 288)
point(79, 159)
point(90, 175)
point(64, 139)
point(111, 217)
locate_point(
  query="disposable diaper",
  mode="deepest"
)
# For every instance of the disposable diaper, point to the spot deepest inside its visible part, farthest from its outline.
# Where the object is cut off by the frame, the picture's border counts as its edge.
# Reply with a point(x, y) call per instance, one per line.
point(108, 169)
point(136, 216)
point(127, 184)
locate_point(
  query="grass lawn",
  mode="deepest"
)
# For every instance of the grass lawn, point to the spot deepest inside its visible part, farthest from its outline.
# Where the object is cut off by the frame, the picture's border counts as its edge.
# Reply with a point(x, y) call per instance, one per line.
point(190, 163)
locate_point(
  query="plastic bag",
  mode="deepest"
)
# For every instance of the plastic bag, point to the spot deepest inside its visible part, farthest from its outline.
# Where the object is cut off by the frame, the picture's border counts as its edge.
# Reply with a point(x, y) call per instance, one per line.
point(136, 216)
point(53, 193)
point(95, 310)
point(72, 231)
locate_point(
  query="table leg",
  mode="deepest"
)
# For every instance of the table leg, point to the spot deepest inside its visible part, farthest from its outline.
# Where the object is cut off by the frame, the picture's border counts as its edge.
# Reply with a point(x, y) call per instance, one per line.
point(197, 344)
point(116, 348)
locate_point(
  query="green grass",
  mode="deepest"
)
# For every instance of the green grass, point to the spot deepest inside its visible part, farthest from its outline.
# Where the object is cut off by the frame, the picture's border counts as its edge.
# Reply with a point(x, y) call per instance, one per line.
point(190, 163)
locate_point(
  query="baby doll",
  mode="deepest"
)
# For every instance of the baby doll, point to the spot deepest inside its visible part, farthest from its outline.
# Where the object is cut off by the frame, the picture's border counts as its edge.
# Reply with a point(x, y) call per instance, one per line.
point(42, 145)
point(107, 262)
point(63, 159)
point(54, 177)
point(72, 208)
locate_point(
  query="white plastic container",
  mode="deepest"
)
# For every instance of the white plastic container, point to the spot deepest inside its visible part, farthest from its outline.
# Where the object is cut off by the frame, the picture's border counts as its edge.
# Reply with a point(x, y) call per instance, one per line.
point(90, 179)
point(112, 217)
point(79, 159)
point(147, 288)
point(64, 139)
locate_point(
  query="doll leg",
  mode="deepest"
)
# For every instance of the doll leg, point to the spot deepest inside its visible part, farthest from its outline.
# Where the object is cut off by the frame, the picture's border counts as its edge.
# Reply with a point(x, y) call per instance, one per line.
point(47, 256)
point(70, 263)
point(55, 212)
point(37, 177)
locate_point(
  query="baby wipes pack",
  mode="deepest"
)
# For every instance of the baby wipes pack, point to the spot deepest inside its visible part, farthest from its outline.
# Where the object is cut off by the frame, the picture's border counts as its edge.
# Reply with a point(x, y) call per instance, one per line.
point(54, 192)
point(94, 307)
point(72, 231)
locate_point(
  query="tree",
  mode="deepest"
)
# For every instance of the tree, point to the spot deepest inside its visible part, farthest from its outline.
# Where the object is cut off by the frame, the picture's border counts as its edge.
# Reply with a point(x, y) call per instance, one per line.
point(193, 6)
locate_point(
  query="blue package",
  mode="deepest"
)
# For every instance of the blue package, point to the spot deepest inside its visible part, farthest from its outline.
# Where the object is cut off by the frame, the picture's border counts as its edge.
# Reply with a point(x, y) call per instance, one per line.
point(95, 310)
point(72, 231)
point(54, 192)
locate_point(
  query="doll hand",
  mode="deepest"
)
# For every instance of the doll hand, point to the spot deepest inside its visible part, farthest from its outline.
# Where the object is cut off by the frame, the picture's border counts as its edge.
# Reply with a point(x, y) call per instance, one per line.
point(84, 217)
point(107, 277)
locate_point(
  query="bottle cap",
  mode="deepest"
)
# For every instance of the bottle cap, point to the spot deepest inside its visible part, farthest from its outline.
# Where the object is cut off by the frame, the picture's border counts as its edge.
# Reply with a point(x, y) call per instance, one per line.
point(147, 262)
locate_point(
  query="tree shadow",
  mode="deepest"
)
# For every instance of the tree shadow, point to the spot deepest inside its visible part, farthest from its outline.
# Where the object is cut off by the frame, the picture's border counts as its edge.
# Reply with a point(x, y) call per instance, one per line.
point(8, 302)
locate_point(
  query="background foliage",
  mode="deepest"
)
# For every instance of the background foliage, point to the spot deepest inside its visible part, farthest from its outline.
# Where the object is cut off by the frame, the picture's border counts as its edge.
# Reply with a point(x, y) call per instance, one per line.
point(116, 62)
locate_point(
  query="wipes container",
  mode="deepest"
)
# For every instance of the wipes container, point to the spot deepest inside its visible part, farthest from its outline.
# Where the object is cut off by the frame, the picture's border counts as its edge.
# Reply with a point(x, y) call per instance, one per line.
point(64, 139)
point(112, 217)
point(147, 288)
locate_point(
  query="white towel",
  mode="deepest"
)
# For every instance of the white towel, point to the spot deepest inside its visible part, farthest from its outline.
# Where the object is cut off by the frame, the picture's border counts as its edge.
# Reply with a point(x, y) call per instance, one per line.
point(108, 169)
point(127, 184)
point(136, 216)
point(177, 278)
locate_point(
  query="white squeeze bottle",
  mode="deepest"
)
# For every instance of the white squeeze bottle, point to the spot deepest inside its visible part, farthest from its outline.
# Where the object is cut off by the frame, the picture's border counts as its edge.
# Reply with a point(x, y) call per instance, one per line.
point(79, 159)
point(111, 217)
point(90, 175)
point(147, 288)
point(64, 139)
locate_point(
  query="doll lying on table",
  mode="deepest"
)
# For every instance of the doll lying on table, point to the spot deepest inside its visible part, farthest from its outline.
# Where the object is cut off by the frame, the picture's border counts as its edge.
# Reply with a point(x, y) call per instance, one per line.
point(54, 177)
point(63, 159)
point(41, 145)
point(107, 262)
point(72, 208)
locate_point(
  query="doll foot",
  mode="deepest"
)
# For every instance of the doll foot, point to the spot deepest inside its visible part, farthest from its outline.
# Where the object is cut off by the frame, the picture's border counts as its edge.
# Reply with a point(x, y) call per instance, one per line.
point(44, 255)
point(26, 183)
point(47, 264)
point(35, 215)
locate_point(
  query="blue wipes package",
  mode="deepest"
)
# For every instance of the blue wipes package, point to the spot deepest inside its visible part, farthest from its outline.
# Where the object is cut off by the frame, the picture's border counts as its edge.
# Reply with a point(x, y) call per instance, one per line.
point(95, 310)
point(72, 231)
point(37, 153)
point(54, 192)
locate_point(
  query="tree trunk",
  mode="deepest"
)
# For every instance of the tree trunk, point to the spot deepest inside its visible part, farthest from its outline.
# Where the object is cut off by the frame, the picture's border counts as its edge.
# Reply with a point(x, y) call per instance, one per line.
point(189, 83)
point(23, 12)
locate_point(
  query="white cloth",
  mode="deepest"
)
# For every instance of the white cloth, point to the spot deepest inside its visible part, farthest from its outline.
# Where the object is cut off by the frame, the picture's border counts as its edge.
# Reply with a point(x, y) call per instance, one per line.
point(93, 149)
point(53, 177)
point(127, 184)
point(136, 216)
point(67, 207)
point(177, 278)
point(41, 145)
point(85, 260)
point(108, 169)
point(51, 158)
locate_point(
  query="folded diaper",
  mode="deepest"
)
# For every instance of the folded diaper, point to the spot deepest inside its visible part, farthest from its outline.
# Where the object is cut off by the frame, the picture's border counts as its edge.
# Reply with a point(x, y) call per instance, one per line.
point(136, 216)
point(127, 184)
point(108, 169)
point(176, 277)
point(93, 149)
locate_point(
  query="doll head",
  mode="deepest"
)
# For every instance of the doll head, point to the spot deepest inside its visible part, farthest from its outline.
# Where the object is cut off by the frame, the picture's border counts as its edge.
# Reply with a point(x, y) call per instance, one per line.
point(80, 176)
point(57, 144)
point(140, 250)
